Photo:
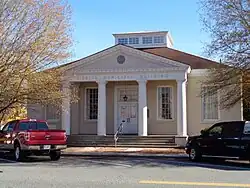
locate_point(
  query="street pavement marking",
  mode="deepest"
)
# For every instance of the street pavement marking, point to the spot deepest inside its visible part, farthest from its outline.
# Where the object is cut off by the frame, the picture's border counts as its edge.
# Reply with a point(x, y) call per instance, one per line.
point(206, 165)
point(194, 183)
point(109, 163)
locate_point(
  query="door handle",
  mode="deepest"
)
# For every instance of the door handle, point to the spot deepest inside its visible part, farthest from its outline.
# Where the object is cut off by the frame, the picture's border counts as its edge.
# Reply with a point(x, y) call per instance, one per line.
point(219, 138)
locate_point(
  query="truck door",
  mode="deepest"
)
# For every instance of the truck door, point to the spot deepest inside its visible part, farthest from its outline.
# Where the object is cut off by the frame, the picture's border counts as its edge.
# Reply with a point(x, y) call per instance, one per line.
point(3, 137)
point(6, 135)
point(211, 141)
point(231, 137)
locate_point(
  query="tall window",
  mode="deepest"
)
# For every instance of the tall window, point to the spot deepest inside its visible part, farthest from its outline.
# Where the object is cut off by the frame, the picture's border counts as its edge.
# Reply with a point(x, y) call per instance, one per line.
point(123, 41)
point(210, 105)
point(165, 103)
point(52, 112)
point(147, 40)
point(91, 103)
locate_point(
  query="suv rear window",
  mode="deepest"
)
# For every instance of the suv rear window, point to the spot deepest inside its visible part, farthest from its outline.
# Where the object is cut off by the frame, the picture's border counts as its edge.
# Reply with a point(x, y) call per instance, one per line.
point(33, 125)
point(247, 128)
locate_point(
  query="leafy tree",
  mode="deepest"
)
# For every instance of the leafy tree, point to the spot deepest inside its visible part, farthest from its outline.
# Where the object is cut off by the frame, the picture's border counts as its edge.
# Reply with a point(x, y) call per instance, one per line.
point(228, 22)
point(35, 35)
point(19, 112)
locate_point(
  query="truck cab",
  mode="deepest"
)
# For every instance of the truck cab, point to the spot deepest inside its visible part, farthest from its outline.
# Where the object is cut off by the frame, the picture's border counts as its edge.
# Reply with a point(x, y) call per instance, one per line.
point(230, 139)
point(32, 137)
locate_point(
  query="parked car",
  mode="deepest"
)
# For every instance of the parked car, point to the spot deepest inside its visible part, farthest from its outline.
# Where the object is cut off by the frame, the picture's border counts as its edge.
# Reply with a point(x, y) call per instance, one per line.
point(32, 137)
point(229, 139)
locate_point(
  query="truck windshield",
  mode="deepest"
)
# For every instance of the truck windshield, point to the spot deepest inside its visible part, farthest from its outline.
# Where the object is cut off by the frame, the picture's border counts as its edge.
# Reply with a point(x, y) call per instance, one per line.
point(33, 126)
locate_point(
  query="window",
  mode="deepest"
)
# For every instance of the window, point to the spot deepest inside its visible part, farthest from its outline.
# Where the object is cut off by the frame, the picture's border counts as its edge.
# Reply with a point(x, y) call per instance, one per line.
point(130, 93)
point(51, 112)
point(165, 103)
point(233, 129)
point(216, 130)
point(158, 39)
point(123, 41)
point(23, 126)
point(210, 105)
point(9, 127)
point(134, 40)
point(147, 40)
point(91, 103)
point(247, 128)
point(38, 126)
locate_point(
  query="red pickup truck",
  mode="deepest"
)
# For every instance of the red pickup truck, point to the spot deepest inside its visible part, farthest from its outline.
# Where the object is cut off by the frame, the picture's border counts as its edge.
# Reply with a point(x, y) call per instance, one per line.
point(32, 137)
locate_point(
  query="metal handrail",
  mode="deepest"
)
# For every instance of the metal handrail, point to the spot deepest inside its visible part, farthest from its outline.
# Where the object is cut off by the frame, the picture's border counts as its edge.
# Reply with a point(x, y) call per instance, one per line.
point(119, 130)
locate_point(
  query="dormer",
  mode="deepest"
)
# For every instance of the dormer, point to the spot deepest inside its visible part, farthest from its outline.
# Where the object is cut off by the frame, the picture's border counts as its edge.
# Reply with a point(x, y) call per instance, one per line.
point(148, 39)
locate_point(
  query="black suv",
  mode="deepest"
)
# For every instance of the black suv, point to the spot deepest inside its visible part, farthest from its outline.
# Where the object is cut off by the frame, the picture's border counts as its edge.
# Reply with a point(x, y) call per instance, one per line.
point(224, 139)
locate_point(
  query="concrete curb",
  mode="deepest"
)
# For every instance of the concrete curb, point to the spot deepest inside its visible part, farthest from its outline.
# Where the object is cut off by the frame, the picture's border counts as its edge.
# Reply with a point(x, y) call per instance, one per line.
point(121, 154)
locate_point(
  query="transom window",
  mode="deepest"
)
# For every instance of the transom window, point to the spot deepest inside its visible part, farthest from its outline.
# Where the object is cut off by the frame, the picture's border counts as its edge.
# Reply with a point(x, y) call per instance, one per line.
point(165, 102)
point(134, 40)
point(210, 105)
point(158, 39)
point(128, 94)
point(147, 40)
point(123, 41)
point(91, 103)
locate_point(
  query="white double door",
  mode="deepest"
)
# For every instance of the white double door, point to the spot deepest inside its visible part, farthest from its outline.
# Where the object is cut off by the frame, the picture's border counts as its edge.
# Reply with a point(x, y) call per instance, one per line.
point(128, 114)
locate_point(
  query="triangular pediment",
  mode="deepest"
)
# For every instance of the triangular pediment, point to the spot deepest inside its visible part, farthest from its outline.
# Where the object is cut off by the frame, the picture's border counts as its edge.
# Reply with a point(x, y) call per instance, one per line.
point(121, 57)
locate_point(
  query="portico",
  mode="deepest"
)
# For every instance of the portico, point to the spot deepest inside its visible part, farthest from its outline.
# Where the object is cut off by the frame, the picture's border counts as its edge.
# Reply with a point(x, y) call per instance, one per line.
point(140, 77)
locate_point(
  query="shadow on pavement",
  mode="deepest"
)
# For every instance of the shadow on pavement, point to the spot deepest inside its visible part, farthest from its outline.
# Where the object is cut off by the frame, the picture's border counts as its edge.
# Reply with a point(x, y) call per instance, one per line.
point(132, 162)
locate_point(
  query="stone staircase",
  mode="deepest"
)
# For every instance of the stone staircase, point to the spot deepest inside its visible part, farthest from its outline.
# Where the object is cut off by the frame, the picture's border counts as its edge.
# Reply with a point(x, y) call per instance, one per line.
point(152, 141)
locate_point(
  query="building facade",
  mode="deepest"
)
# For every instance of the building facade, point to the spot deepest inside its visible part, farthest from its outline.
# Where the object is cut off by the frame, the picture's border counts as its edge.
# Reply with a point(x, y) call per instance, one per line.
point(141, 82)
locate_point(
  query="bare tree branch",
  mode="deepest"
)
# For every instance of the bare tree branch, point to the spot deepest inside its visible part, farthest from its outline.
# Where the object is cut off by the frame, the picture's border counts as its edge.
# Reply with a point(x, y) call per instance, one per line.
point(228, 22)
point(35, 35)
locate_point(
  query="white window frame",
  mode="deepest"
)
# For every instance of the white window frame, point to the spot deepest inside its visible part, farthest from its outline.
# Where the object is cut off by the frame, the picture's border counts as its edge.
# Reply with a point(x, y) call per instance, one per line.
point(52, 123)
point(49, 120)
point(203, 119)
point(85, 104)
point(133, 40)
point(123, 39)
point(157, 41)
point(172, 105)
point(146, 39)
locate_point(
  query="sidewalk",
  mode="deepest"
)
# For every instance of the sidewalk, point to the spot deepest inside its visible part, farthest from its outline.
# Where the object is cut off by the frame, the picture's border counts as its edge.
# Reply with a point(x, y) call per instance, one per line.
point(124, 152)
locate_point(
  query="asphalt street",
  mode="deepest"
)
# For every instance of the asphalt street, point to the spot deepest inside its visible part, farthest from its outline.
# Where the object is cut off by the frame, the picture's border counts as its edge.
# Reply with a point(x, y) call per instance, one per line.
point(129, 172)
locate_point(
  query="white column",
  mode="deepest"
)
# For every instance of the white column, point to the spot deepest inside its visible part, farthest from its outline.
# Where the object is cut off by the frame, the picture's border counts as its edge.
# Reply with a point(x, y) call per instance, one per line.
point(66, 107)
point(143, 117)
point(181, 108)
point(101, 124)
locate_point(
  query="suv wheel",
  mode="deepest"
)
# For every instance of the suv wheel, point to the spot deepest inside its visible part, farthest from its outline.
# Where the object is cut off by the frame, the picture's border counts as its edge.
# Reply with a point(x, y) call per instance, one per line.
point(194, 154)
point(55, 155)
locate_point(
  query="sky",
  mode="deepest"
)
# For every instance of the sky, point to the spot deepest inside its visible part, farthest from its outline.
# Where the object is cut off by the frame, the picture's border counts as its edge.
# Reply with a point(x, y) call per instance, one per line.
point(94, 22)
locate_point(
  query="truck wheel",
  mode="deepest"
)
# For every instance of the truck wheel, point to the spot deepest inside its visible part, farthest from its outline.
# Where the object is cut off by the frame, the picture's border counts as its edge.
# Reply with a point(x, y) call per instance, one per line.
point(18, 154)
point(194, 154)
point(55, 155)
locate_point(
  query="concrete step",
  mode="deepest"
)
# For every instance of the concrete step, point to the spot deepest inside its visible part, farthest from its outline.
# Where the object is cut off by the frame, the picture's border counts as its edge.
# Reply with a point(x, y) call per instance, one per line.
point(127, 146)
point(120, 143)
point(121, 136)
point(124, 140)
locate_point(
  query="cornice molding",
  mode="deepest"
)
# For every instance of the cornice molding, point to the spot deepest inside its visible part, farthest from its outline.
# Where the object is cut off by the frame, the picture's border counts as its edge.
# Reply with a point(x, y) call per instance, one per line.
point(129, 70)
